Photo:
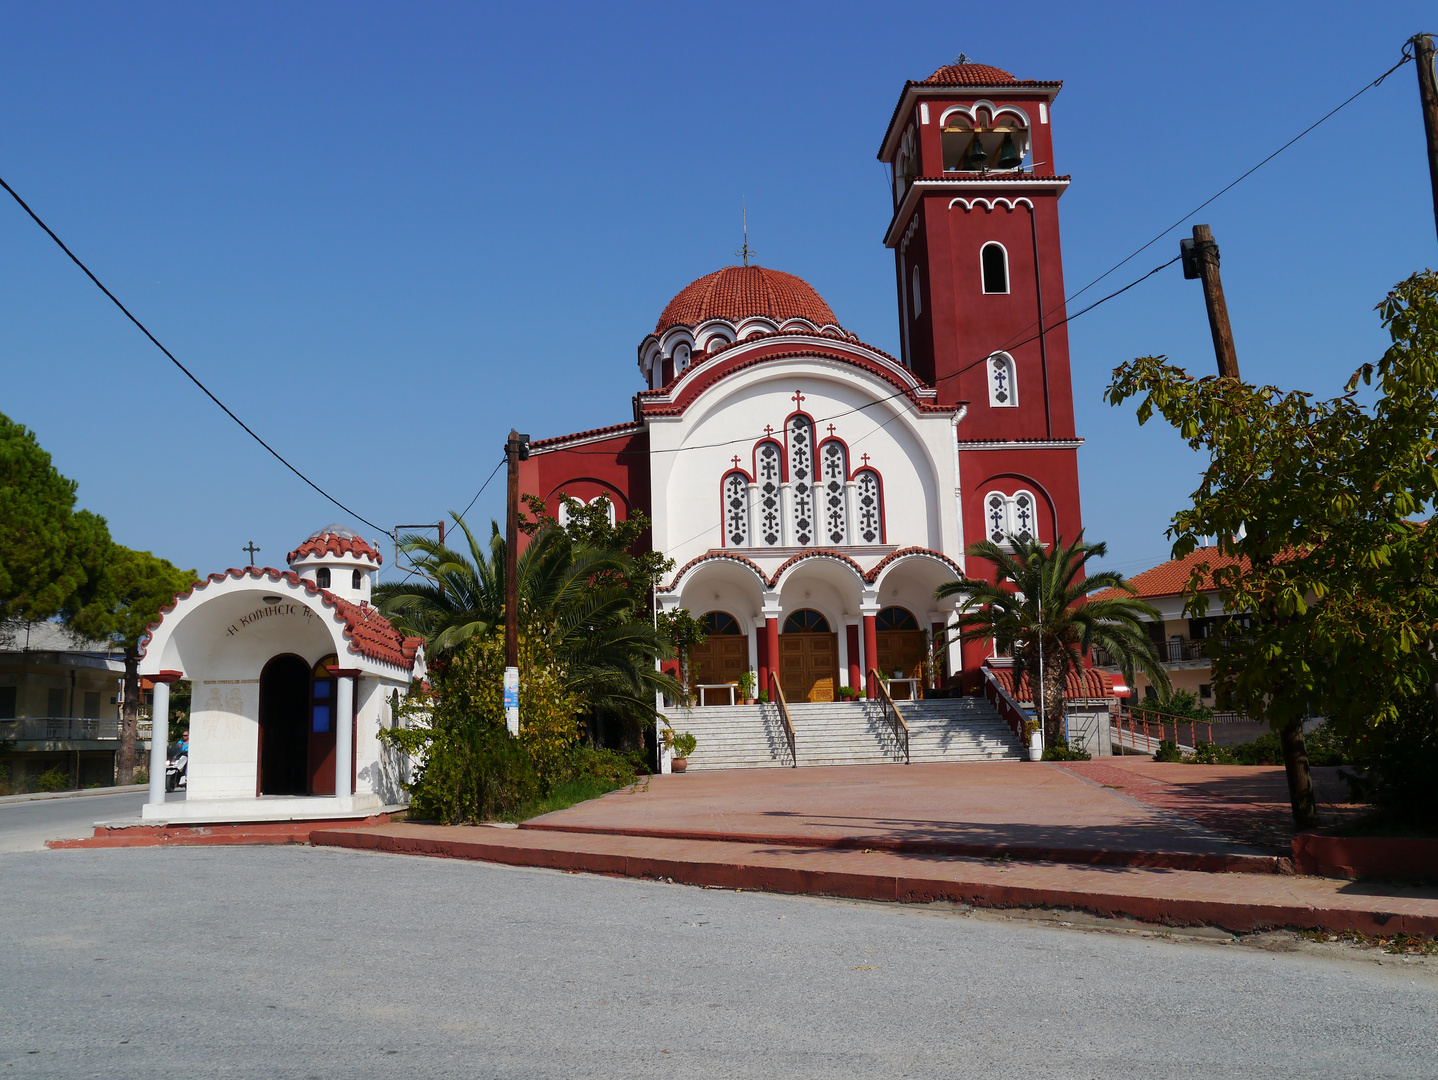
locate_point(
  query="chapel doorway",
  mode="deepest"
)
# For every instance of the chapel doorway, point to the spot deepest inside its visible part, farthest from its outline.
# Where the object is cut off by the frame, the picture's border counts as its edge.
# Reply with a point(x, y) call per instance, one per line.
point(720, 660)
point(284, 726)
point(321, 740)
point(808, 657)
point(901, 647)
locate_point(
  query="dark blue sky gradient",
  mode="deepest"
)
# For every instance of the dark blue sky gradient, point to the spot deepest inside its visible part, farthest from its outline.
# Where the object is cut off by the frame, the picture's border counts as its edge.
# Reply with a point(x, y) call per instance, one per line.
point(384, 234)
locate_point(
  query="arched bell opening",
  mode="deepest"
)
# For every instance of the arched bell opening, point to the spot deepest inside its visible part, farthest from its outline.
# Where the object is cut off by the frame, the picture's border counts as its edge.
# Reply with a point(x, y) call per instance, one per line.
point(284, 726)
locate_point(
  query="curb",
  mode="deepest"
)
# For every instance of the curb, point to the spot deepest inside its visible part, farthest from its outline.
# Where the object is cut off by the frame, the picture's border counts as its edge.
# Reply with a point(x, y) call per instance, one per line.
point(180, 835)
point(1233, 916)
point(1164, 860)
point(35, 796)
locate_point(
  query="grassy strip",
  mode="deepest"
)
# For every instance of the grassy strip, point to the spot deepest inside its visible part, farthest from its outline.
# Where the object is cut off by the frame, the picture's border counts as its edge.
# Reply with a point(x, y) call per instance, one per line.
point(562, 796)
point(1398, 944)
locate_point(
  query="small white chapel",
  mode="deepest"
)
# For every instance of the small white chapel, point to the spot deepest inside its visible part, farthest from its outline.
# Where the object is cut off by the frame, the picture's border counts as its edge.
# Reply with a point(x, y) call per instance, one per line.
point(293, 675)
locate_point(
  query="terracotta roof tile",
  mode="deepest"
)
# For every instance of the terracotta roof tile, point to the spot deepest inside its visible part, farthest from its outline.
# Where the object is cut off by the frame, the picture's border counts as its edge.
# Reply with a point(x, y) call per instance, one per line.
point(1080, 685)
point(327, 543)
point(1171, 578)
point(977, 75)
point(612, 429)
point(737, 292)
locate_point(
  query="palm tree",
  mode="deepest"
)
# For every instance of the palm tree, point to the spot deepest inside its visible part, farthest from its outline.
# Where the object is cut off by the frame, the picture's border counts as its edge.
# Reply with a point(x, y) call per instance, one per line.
point(1051, 606)
point(572, 594)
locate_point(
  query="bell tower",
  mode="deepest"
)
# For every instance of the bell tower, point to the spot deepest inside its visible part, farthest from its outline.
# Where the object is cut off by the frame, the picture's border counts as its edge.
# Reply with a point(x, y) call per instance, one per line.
point(975, 236)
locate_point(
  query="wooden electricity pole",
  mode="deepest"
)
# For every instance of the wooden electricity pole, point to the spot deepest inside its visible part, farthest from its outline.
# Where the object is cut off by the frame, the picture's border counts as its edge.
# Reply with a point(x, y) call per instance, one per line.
point(1428, 97)
point(1200, 260)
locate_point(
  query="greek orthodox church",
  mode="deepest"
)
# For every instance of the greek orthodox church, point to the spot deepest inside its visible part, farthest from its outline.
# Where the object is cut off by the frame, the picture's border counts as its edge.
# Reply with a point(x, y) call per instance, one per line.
point(813, 490)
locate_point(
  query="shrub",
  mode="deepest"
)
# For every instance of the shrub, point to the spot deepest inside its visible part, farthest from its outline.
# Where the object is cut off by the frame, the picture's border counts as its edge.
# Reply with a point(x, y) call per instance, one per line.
point(140, 776)
point(1167, 751)
point(56, 778)
point(1402, 758)
point(1060, 750)
point(684, 744)
point(1207, 753)
point(1326, 747)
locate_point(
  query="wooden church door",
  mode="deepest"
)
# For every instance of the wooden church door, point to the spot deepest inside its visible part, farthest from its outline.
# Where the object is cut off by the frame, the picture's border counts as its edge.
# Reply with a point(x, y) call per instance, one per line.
point(808, 657)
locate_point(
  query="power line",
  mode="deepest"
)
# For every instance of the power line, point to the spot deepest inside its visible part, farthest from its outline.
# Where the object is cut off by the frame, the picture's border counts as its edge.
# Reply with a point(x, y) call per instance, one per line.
point(484, 485)
point(188, 374)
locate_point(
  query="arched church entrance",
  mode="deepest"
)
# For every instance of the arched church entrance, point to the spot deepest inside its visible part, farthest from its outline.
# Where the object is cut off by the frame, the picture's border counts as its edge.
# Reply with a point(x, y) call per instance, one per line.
point(722, 658)
point(901, 644)
point(284, 727)
point(808, 657)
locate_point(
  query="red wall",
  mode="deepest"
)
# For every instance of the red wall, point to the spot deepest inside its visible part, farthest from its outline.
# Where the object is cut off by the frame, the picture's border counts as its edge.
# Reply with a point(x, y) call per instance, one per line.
point(617, 467)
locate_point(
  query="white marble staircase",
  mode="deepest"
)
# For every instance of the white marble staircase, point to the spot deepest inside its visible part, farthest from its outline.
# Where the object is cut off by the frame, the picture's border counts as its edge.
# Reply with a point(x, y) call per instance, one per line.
point(845, 733)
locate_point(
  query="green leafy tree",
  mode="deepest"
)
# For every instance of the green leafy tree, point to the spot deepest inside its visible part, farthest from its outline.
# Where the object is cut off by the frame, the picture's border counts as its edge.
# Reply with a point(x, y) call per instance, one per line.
point(588, 525)
point(45, 546)
point(1042, 602)
point(121, 596)
point(1315, 500)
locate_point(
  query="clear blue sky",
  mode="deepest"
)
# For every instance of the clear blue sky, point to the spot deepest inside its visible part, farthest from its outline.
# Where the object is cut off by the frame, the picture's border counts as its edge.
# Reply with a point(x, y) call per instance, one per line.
point(386, 233)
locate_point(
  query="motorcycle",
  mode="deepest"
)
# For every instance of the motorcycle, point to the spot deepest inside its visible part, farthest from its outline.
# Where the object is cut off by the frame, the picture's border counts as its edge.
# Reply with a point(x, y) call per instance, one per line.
point(177, 766)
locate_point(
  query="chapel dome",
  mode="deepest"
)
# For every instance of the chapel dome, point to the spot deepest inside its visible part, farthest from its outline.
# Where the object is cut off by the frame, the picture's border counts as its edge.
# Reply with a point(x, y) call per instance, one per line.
point(736, 293)
point(967, 74)
point(334, 540)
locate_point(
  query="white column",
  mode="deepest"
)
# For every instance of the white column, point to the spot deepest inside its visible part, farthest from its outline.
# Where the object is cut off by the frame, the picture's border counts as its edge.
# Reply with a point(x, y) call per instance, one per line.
point(344, 735)
point(752, 508)
point(159, 740)
point(851, 511)
point(786, 515)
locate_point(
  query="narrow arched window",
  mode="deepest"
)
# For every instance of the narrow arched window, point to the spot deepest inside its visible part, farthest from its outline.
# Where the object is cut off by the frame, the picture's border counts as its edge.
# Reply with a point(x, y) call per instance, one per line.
point(870, 524)
point(800, 432)
point(1003, 392)
point(768, 464)
point(995, 262)
point(736, 510)
point(322, 577)
point(355, 579)
point(1024, 516)
point(918, 308)
point(833, 472)
point(1011, 518)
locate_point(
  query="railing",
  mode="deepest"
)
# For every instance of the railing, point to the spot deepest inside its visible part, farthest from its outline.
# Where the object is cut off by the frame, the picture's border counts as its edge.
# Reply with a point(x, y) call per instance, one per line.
point(1169, 652)
point(784, 716)
point(58, 729)
point(896, 720)
point(1009, 709)
point(1154, 726)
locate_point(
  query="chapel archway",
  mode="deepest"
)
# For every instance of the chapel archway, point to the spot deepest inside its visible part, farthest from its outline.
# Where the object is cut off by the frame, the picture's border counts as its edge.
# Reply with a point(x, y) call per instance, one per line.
point(808, 657)
point(284, 727)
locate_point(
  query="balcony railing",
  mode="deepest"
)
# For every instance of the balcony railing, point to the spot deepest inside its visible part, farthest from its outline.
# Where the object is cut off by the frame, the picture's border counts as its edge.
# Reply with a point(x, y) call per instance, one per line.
point(58, 729)
point(1169, 652)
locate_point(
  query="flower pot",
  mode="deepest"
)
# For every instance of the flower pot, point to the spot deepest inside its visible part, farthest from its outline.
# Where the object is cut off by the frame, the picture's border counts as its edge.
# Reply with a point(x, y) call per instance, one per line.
point(1036, 747)
point(751, 701)
point(679, 764)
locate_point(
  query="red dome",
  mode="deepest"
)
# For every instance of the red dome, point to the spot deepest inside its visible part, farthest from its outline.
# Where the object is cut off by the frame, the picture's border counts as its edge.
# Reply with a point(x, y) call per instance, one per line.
point(969, 75)
point(737, 292)
point(335, 540)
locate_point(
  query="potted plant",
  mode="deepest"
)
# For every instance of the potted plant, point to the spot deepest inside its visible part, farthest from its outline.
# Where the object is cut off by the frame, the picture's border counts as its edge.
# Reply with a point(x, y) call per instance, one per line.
point(746, 687)
point(763, 697)
point(1035, 740)
point(683, 746)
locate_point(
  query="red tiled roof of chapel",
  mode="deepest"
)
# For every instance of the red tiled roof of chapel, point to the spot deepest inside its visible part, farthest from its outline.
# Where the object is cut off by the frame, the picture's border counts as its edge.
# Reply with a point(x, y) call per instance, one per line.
point(737, 292)
point(330, 544)
point(1088, 685)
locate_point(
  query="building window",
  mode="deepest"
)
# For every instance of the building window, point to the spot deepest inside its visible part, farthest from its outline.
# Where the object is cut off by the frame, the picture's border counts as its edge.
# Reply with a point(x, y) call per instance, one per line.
point(355, 579)
point(322, 696)
point(918, 301)
point(1150, 694)
point(768, 467)
point(800, 431)
point(895, 618)
point(834, 466)
point(322, 577)
point(1011, 517)
point(1003, 390)
point(995, 261)
point(806, 621)
point(736, 509)
point(1205, 690)
point(7, 702)
point(871, 507)
point(720, 622)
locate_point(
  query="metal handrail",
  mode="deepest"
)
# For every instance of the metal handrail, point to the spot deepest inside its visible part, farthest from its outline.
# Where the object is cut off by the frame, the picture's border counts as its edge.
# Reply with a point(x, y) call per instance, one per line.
point(784, 716)
point(1017, 717)
point(893, 710)
point(1141, 716)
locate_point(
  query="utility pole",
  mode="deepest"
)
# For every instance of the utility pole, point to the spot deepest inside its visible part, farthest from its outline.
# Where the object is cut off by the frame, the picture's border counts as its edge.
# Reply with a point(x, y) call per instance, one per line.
point(515, 451)
point(1428, 98)
point(1200, 260)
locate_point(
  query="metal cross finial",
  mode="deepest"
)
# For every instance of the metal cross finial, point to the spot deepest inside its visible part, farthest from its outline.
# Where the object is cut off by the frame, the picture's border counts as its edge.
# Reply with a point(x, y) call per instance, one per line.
point(746, 251)
point(865, 457)
point(250, 547)
point(962, 59)
point(831, 431)
point(768, 429)
point(736, 461)
point(798, 399)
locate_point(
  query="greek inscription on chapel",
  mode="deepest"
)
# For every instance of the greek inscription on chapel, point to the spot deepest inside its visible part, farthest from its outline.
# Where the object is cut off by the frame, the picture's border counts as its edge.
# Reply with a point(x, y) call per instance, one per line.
point(270, 612)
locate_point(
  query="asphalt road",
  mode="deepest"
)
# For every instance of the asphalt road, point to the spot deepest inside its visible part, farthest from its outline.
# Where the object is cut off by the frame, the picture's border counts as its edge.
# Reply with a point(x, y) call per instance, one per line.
point(25, 826)
point(301, 962)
